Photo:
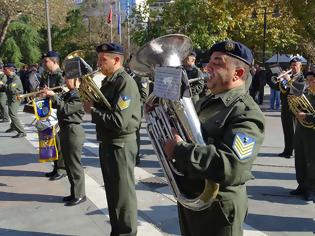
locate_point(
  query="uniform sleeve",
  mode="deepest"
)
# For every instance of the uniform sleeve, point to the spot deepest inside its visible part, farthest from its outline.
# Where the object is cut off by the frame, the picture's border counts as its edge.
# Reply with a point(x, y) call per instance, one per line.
point(229, 161)
point(128, 98)
point(68, 108)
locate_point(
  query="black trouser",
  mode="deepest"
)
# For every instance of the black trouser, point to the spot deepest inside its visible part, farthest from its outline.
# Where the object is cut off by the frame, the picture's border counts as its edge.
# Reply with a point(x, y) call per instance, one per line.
point(288, 126)
point(117, 164)
point(71, 140)
point(304, 158)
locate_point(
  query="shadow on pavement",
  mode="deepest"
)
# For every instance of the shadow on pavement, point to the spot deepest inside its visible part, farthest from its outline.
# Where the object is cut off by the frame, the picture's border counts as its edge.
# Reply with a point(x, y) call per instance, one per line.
point(273, 194)
point(283, 223)
point(21, 173)
point(20, 197)
point(16, 159)
point(273, 175)
point(11, 232)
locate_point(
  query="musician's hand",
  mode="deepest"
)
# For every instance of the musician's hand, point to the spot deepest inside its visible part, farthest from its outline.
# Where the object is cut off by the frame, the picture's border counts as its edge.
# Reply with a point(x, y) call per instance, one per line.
point(1, 83)
point(48, 93)
point(301, 116)
point(170, 144)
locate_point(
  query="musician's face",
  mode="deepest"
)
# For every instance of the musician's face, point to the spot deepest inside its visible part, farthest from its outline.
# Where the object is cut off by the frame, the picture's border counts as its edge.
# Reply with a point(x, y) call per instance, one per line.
point(190, 61)
point(221, 72)
point(296, 67)
point(311, 82)
point(106, 62)
point(8, 71)
point(48, 64)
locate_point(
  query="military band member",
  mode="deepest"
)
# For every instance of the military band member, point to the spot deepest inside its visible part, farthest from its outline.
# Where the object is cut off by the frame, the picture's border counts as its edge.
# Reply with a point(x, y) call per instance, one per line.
point(304, 142)
point(116, 130)
point(193, 72)
point(4, 113)
point(52, 77)
point(13, 88)
point(233, 129)
point(70, 113)
point(287, 117)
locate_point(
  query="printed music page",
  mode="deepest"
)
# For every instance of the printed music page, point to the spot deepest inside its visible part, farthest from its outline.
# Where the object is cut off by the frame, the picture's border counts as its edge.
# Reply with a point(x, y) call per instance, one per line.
point(167, 82)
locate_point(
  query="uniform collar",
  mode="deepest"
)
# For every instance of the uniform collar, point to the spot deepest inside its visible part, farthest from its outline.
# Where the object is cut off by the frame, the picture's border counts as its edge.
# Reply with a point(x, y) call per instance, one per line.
point(112, 78)
point(57, 71)
point(231, 95)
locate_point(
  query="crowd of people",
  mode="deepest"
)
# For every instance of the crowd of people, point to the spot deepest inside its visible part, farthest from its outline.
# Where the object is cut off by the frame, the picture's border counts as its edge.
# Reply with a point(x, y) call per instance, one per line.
point(232, 125)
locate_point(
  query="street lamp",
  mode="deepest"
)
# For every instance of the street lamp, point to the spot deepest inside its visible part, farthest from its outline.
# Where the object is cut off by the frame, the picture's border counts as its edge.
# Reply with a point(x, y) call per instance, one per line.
point(275, 13)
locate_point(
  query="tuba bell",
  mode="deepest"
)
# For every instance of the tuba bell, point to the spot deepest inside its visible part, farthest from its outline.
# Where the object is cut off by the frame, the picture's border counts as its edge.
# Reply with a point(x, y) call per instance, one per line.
point(74, 66)
point(162, 115)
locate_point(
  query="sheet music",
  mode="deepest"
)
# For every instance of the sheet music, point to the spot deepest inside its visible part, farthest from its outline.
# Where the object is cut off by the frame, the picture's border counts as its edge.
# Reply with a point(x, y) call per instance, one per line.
point(167, 82)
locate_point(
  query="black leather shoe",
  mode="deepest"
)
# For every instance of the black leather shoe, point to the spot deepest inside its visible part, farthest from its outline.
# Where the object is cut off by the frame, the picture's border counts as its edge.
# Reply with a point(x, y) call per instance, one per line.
point(19, 135)
point(9, 130)
point(50, 174)
point(285, 155)
point(57, 176)
point(68, 198)
point(75, 201)
point(297, 191)
point(308, 196)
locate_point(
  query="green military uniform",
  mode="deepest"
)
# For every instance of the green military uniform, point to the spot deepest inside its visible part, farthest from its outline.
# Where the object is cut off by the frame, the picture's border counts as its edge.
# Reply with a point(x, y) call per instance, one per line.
point(13, 88)
point(288, 119)
point(70, 113)
point(3, 99)
point(143, 86)
point(304, 153)
point(197, 87)
point(116, 129)
point(51, 80)
point(233, 129)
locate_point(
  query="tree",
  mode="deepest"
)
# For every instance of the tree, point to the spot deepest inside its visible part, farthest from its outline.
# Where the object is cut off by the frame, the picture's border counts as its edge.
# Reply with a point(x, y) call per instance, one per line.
point(11, 10)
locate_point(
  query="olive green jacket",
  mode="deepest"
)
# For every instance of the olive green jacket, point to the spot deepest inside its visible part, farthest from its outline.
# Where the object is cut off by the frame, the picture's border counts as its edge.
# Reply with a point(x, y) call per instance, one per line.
point(52, 79)
point(3, 78)
point(69, 108)
point(123, 119)
point(233, 129)
point(13, 87)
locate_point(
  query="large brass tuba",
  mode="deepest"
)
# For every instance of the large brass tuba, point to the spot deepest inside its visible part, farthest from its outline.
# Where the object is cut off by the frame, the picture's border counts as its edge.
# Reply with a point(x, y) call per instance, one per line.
point(164, 114)
point(74, 65)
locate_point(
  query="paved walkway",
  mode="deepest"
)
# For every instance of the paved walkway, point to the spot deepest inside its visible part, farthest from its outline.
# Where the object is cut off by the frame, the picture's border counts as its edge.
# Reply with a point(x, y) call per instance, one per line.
point(30, 204)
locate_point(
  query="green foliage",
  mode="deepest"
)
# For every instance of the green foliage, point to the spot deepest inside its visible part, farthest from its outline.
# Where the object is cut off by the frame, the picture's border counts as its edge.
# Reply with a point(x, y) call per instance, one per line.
point(22, 43)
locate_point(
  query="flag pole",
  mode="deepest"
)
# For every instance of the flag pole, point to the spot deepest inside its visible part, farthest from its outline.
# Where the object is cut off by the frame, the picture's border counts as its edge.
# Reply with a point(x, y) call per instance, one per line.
point(119, 21)
point(128, 29)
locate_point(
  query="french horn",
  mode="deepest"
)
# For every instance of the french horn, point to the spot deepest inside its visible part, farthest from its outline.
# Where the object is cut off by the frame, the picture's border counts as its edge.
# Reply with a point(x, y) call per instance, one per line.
point(162, 115)
point(75, 65)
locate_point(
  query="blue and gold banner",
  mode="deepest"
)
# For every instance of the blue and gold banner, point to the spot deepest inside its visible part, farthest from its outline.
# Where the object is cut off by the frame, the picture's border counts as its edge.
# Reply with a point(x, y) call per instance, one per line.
point(47, 145)
point(42, 108)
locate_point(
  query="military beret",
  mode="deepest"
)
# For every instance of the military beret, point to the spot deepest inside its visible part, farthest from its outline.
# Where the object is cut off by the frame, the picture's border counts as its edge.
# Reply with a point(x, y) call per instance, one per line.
point(295, 59)
point(234, 49)
point(110, 48)
point(9, 65)
point(50, 54)
point(311, 73)
point(193, 54)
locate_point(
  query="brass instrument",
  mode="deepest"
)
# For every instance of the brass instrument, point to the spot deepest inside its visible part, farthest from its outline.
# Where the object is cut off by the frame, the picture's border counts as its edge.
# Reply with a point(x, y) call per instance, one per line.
point(299, 104)
point(88, 89)
point(163, 114)
point(34, 94)
point(278, 79)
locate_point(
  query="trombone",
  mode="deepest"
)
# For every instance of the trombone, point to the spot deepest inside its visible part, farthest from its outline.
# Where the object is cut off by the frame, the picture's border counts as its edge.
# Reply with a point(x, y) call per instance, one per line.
point(32, 94)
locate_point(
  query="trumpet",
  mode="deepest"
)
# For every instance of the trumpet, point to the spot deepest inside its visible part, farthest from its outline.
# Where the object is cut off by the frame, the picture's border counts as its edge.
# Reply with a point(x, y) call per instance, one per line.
point(27, 95)
point(278, 79)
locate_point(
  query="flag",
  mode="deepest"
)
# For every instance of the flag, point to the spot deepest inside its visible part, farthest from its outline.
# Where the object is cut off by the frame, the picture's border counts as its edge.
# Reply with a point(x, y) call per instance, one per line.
point(118, 24)
point(110, 16)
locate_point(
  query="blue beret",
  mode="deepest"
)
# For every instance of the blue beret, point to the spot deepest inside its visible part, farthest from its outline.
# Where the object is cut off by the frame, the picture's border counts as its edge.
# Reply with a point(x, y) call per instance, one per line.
point(110, 48)
point(234, 49)
point(9, 65)
point(193, 54)
point(50, 54)
point(295, 59)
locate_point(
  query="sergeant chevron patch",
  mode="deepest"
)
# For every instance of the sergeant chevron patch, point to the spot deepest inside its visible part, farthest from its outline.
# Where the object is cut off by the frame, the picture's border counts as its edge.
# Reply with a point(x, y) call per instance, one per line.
point(123, 102)
point(243, 145)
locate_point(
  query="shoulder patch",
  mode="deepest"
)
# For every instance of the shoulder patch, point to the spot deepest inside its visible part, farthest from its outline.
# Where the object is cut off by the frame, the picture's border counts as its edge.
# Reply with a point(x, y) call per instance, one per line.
point(123, 102)
point(243, 145)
